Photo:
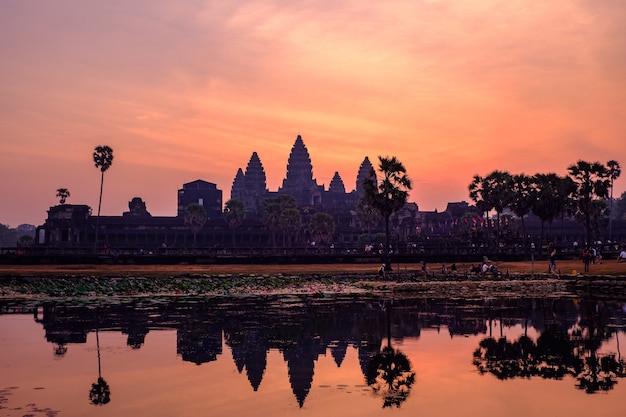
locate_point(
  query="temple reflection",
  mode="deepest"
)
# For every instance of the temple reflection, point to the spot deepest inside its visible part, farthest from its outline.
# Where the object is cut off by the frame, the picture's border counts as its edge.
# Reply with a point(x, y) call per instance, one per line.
point(572, 334)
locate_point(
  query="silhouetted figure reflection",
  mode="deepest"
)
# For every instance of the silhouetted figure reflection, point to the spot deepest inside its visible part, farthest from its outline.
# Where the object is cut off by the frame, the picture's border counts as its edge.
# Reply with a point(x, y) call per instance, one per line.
point(389, 372)
point(60, 349)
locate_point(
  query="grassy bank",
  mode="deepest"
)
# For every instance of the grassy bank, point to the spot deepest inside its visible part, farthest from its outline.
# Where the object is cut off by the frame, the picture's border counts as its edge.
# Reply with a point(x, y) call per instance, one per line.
point(515, 279)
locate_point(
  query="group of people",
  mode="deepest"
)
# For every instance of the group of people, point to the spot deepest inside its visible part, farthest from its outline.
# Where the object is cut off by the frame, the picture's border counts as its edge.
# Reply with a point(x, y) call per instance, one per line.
point(486, 268)
point(591, 255)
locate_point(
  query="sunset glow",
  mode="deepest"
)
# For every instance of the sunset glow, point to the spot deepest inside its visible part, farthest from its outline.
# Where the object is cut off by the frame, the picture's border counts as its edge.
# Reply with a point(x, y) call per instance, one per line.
point(190, 89)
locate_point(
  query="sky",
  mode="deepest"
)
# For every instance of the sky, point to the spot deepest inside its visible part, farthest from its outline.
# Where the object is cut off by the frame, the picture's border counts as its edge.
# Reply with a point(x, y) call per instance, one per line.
point(190, 89)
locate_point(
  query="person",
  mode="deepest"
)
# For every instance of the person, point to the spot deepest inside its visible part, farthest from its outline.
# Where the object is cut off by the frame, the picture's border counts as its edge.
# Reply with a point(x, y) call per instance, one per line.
point(494, 271)
point(598, 256)
point(553, 261)
point(593, 255)
point(622, 256)
point(586, 259)
point(381, 271)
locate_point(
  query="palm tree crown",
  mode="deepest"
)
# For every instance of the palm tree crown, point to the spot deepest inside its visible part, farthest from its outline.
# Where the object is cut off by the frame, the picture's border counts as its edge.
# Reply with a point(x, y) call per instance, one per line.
point(63, 193)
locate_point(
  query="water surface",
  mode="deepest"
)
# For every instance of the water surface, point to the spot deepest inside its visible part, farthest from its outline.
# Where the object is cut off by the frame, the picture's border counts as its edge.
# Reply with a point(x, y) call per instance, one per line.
point(315, 356)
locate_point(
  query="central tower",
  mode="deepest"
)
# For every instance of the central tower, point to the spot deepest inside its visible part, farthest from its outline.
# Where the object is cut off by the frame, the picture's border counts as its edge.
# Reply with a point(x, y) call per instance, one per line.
point(299, 181)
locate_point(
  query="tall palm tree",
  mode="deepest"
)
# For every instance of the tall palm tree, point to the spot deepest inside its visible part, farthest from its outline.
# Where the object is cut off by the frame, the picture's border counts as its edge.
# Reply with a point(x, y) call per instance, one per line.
point(592, 184)
point(195, 218)
point(614, 172)
point(546, 206)
point(479, 193)
point(62, 193)
point(102, 158)
point(234, 214)
point(387, 194)
point(522, 199)
point(498, 184)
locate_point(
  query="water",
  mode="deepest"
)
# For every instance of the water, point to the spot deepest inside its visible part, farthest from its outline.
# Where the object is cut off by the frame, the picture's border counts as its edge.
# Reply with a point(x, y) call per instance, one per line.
point(285, 356)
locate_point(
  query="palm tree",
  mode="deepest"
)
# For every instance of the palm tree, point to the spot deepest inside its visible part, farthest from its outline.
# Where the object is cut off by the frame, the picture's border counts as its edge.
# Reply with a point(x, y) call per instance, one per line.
point(387, 194)
point(322, 228)
point(614, 172)
point(546, 206)
point(592, 185)
point(273, 209)
point(498, 185)
point(102, 158)
point(479, 193)
point(62, 193)
point(522, 199)
point(195, 218)
point(234, 214)
point(290, 222)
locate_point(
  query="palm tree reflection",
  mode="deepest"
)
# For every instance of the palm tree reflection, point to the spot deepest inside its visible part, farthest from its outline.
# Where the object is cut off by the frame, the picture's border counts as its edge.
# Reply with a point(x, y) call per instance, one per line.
point(100, 393)
point(557, 353)
point(389, 372)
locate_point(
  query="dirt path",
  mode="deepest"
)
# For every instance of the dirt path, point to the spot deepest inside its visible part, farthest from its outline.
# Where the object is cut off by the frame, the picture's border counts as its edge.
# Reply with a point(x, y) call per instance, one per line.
point(569, 267)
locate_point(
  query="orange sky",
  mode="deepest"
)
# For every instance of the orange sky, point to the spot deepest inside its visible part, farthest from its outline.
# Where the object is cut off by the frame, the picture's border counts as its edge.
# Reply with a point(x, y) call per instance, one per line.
point(188, 90)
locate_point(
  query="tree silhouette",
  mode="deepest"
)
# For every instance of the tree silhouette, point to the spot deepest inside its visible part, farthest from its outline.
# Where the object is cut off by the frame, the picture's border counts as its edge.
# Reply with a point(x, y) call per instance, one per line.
point(387, 194)
point(195, 218)
point(548, 204)
point(273, 209)
point(322, 228)
point(522, 199)
point(479, 193)
point(234, 214)
point(592, 186)
point(506, 359)
point(556, 354)
point(100, 393)
point(499, 184)
point(599, 373)
point(290, 222)
point(102, 158)
point(62, 193)
point(389, 372)
point(614, 172)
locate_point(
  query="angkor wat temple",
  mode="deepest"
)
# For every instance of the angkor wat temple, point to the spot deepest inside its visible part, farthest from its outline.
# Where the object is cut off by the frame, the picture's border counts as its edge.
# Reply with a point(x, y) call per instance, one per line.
point(459, 230)
point(73, 226)
point(251, 188)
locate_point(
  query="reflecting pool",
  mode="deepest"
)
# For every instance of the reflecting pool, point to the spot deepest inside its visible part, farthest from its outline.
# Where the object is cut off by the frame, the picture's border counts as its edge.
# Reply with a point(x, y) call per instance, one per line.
point(312, 356)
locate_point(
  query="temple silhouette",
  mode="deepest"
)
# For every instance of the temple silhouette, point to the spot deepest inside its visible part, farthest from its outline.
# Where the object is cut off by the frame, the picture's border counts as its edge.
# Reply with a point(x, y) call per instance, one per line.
point(73, 226)
point(457, 233)
point(251, 186)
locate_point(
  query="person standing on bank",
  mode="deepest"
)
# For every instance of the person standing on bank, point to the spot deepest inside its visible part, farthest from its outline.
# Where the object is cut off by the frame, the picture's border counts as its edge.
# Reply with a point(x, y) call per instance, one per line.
point(553, 262)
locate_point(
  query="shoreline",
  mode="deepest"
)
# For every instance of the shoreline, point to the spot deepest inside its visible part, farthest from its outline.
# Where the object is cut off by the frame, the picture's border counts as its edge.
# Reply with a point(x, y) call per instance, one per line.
point(55, 282)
